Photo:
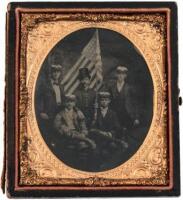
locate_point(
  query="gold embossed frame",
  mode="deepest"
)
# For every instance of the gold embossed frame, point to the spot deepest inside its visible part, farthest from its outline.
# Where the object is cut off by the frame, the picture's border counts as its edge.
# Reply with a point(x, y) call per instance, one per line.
point(33, 32)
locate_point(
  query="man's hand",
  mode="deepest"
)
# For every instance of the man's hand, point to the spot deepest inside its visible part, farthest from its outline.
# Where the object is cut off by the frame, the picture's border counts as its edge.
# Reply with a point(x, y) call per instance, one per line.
point(85, 132)
point(82, 135)
point(109, 134)
point(136, 122)
point(44, 116)
point(80, 115)
point(125, 144)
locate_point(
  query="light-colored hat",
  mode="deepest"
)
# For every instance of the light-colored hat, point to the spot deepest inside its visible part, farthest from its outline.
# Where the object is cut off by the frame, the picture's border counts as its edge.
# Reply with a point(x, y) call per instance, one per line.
point(122, 69)
point(104, 95)
point(70, 97)
point(58, 67)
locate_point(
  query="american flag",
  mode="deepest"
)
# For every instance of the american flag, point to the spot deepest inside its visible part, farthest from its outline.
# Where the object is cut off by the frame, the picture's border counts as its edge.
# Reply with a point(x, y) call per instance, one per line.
point(90, 58)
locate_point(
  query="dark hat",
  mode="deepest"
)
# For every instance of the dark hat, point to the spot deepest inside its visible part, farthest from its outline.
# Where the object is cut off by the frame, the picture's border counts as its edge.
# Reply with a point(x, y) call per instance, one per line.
point(70, 97)
point(104, 95)
point(83, 73)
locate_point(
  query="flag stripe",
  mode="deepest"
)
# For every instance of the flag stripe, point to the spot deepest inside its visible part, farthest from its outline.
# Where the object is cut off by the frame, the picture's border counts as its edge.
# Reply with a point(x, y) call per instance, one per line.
point(75, 75)
point(76, 65)
point(74, 87)
point(90, 58)
point(89, 49)
point(93, 72)
point(99, 86)
point(93, 79)
point(93, 83)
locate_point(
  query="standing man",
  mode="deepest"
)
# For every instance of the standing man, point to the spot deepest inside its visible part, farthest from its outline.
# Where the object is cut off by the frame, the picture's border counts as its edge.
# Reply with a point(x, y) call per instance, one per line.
point(49, 100)
point(85, 97)
point(122, 99)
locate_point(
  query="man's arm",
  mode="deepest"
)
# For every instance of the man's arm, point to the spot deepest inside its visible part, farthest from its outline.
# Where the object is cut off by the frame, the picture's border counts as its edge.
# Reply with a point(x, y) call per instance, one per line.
point(41, 91)
point(132, 104)
point(60, 126)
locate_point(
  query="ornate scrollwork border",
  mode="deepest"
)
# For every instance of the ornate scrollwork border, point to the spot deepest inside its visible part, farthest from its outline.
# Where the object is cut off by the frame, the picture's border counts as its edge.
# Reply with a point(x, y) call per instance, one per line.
point(148, 34)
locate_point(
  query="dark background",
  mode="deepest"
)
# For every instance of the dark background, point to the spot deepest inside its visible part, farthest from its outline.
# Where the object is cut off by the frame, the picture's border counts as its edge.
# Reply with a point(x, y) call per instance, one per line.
point(115, 50)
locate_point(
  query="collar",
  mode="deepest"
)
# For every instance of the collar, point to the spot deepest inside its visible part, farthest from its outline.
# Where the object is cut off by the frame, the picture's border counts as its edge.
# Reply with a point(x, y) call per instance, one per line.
point(120, 83)
point(104, 109)
point(69, 111)
point(54, 82)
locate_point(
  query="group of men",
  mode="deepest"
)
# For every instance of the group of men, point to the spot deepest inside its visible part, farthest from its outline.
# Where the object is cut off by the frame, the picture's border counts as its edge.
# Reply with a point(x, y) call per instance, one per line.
point(90, 122)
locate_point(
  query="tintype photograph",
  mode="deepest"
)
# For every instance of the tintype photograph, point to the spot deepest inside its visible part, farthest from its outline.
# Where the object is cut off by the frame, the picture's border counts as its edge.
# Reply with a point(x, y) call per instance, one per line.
point(91, 100)
point(94, 99)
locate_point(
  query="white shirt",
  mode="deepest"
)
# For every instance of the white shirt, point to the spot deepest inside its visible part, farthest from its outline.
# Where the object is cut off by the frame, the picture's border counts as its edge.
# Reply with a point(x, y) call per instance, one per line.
point(69, 114)
point(104, 111)
point(56, 89)
point(120, 86)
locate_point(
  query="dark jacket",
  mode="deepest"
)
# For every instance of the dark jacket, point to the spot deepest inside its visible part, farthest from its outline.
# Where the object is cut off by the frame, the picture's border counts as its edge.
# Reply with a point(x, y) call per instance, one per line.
point(85, 101)
point(123, 103)
point(108, 123)
point(46, 99)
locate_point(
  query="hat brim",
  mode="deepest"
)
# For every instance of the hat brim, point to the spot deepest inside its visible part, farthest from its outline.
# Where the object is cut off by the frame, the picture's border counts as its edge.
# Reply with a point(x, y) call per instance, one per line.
point(84, 76)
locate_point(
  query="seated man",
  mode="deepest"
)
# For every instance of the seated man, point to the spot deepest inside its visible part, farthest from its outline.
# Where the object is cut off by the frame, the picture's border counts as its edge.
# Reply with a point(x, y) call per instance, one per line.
point(74, 146)
point(70, 123)
point(105, 129)
point(105, 120)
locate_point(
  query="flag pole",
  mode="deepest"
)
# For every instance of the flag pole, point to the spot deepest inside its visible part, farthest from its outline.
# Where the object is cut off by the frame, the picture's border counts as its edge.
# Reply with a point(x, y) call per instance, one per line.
point(97, 85)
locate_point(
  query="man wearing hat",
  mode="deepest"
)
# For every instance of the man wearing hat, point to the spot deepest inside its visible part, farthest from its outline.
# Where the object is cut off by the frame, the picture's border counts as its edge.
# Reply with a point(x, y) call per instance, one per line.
point(122, 99)
point(70, 120)
point(85, 96)
point(71, 127)
point(106, 119)
point(49, 99)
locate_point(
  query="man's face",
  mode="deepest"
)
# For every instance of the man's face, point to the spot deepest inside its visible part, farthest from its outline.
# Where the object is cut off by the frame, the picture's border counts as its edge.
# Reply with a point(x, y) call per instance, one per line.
point(121, 76)
point(55, 73)
point(104, 102)
point(70, 105)
point(85, 82)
